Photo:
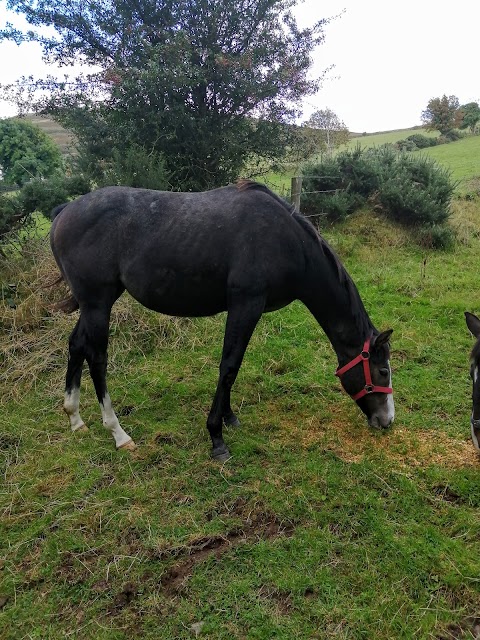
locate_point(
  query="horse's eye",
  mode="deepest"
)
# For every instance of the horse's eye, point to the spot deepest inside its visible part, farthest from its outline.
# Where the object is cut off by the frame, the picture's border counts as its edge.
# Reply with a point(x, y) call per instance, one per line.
point(384, 371)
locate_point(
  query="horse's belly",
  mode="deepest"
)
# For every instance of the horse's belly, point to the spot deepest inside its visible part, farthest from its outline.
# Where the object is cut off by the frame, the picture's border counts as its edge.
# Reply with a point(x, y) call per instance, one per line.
point(180, 294)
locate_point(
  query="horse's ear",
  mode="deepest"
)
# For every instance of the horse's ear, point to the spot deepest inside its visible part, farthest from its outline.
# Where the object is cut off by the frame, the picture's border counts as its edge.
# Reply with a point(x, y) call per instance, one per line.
point(473, 324)
point(383, 337)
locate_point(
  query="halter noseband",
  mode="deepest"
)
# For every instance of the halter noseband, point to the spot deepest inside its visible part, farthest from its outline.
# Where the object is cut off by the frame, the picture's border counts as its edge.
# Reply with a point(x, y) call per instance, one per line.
point(369, 387)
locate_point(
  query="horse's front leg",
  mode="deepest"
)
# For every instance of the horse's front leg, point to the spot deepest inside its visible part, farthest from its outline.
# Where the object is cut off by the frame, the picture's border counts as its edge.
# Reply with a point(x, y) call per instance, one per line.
point(243, 315)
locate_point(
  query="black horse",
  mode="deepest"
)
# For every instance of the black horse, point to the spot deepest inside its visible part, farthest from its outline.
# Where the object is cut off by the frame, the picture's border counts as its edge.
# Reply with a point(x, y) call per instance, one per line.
point(239, 249)
point(473, 323)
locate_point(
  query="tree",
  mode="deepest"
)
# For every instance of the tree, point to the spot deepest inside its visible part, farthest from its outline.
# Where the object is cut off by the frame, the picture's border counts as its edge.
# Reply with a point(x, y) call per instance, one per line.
point(329, 131)
point(469, 116)
point(208, 84)
point(26, 152)
point(441, 114)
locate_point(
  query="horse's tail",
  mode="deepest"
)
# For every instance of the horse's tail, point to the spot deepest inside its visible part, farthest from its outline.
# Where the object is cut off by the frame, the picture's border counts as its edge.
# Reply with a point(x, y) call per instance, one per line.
point(54, 212)
point(70, 303)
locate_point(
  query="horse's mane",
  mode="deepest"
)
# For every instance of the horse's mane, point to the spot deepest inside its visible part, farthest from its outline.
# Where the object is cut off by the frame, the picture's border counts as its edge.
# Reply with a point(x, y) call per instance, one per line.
point(243, 184)
point(475, 354)
point(361, 317)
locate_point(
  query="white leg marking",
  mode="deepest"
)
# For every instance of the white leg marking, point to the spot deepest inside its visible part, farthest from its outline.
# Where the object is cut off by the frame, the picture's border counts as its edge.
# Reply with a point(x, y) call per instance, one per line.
point(390, 403)
point(71, 407)
point(110, 421)
point(476, 444)
point(475, 441)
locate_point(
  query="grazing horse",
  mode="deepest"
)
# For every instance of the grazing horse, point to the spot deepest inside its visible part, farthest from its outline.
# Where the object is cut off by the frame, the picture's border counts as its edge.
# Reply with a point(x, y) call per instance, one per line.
point(473, 323)
point(239, 249)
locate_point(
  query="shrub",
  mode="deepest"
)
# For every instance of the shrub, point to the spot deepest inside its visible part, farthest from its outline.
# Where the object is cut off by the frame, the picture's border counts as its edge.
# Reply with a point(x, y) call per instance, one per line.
point(38, 195)
point(44, 195)
point(136, 167)
point(422, 142)
point(406, 145)
point(411, 189)
point(436, 236)
point(415, 190)
point(338, 185)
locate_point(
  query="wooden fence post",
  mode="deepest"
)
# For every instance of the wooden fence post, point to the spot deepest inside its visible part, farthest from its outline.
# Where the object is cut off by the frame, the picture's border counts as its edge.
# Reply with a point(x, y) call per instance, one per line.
point(296, 192)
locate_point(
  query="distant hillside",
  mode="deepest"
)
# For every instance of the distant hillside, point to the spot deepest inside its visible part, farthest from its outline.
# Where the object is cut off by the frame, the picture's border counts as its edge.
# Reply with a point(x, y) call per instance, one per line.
point(54, 130)
point(387, 137)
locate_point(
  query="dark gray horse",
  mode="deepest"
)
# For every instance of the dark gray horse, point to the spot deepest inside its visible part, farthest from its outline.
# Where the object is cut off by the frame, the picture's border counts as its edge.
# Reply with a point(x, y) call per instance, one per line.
point(239, 249)
point(473, 323)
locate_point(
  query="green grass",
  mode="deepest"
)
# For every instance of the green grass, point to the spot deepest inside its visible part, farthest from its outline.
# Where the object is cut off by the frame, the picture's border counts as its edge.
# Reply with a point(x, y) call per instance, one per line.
point(316, 528)
point(461, 157)
point(387, 137)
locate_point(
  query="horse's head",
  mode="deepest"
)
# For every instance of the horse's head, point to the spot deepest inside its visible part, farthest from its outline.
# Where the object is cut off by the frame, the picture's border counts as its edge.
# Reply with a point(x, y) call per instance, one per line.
point(473, 323)
point(368, 380)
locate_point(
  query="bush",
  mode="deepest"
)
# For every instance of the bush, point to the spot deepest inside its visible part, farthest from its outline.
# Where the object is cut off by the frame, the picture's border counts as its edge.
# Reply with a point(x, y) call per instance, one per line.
point(411, 189)
point(135, 167)
point(415, 190)
point(338, 185)
point(422, 142)
point(436, 236)
point(38, 195)
point(406, 145)
point(44, 195)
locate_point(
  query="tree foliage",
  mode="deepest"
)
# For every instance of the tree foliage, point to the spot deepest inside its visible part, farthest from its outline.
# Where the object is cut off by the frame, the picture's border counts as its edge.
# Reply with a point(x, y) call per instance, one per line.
point(26, 152)
point(469, 116)
point(208, 84)
point(328, 131)
point(441, 114)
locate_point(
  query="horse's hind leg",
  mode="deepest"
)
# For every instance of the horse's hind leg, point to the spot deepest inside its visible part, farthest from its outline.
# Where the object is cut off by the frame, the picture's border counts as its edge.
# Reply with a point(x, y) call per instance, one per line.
point(244, 312)
point(94, 324)
point(76, 356)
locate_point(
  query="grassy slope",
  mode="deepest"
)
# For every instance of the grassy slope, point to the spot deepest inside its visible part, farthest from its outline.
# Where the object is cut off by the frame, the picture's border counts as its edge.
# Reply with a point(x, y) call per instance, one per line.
point(317, 528)
point(387, 137)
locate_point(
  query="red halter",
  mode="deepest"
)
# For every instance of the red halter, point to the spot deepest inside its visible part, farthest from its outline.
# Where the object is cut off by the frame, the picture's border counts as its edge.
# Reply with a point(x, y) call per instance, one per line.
point(369, 387)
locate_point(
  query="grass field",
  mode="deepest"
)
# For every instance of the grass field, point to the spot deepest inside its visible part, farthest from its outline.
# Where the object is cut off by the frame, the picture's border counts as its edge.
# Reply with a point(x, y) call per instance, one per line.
point(317, 528)
point(387, 137)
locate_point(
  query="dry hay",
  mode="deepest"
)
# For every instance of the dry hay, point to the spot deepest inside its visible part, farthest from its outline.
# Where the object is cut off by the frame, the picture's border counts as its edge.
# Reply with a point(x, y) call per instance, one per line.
point(403, 447)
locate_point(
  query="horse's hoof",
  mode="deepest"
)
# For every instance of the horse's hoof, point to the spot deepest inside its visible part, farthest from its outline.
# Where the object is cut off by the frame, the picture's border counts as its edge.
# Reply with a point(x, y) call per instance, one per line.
point(222, 454)
point(128, 446)
point(81, 429)
point(232, 421)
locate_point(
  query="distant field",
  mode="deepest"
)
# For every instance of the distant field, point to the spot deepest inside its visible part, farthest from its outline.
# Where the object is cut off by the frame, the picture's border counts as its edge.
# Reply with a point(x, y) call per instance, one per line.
point(387, 137)
point(53, 129)
point(461, 157)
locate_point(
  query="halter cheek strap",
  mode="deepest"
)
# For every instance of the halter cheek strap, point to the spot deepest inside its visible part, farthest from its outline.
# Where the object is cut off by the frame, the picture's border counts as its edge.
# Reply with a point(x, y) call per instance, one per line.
point(369, 387)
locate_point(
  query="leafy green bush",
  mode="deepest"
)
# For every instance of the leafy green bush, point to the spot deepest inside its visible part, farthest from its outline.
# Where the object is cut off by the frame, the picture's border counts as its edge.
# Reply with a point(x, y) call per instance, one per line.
point(338, 185)
point(421, 141)
point(44, 195)
point(38, 195)
point(406, 145)
point(415, 190)
point(135, 167)
point(411, 189)
point(26, 152)
point(436, 236)
point(10, 212)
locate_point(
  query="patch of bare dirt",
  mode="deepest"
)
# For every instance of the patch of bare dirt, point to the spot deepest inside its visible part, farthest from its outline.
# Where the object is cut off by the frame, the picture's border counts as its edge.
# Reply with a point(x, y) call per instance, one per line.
point(469, 628)
point(256, 526)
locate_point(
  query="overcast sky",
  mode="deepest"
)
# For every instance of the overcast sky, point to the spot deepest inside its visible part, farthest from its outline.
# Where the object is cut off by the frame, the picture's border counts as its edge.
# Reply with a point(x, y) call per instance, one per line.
point(390, 58)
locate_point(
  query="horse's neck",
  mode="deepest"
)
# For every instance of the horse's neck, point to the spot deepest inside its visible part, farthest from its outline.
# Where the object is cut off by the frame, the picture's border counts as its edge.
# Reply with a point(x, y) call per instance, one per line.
point(336, 305)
